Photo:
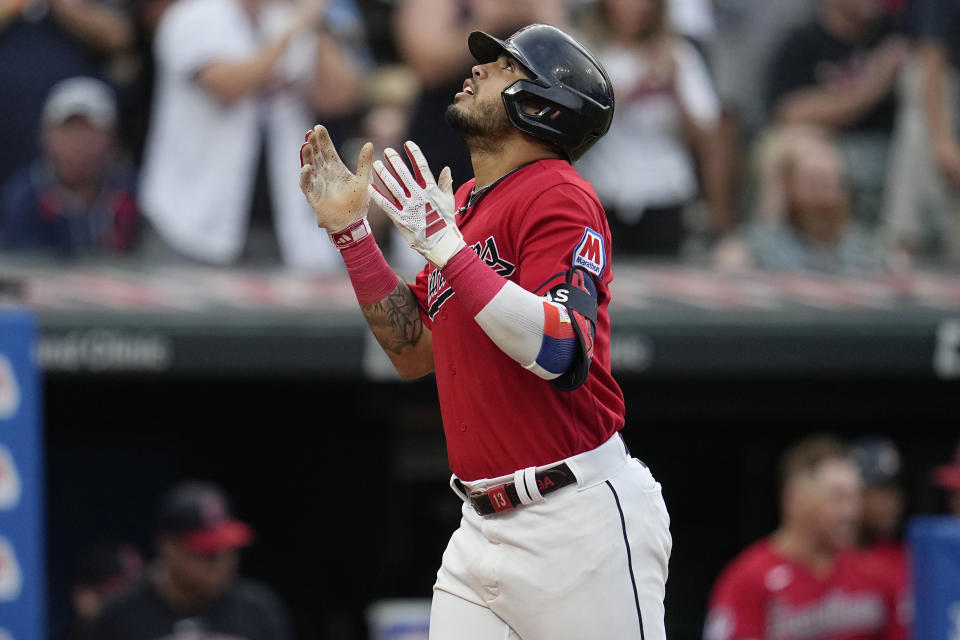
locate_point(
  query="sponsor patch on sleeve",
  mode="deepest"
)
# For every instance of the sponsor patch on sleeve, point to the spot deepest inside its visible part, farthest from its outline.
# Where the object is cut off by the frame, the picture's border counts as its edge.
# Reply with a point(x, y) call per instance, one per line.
point(590, 253)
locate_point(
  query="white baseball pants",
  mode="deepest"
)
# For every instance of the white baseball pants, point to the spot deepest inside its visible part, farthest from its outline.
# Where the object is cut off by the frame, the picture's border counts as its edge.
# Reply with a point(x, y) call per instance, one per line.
point(588, 562)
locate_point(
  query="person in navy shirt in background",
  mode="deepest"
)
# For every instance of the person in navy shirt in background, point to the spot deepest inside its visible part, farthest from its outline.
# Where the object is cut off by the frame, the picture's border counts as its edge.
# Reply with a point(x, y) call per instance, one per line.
point(76, 198)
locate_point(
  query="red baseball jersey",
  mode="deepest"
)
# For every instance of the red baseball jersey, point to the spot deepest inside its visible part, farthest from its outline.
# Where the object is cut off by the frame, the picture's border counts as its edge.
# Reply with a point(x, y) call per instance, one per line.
point(531, 228)
point(765, 596)
point(892, 562)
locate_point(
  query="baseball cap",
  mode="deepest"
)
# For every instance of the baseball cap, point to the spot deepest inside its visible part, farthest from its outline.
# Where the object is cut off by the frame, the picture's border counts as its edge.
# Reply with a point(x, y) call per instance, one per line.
point(948, 475)
point(199, 514)
point(878, 460)
point(81, 96)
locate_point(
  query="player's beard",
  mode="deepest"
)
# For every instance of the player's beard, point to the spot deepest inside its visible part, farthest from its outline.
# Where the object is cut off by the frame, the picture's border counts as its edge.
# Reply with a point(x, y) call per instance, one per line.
point(484, 128)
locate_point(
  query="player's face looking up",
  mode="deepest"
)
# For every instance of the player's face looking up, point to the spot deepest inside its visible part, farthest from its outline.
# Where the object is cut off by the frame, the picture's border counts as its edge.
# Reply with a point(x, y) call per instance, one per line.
point(825, 502)
point(477, 112)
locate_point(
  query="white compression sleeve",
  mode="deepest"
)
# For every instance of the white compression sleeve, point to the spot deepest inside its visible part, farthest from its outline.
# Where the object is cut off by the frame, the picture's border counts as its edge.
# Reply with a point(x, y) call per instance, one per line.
point(521, 324)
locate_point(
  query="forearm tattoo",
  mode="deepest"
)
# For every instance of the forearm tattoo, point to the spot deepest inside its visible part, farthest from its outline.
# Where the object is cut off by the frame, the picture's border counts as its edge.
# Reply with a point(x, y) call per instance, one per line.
point(395, 320)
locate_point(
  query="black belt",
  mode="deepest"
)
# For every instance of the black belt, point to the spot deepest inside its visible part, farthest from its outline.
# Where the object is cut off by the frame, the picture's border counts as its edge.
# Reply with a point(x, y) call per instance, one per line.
point(504, 497)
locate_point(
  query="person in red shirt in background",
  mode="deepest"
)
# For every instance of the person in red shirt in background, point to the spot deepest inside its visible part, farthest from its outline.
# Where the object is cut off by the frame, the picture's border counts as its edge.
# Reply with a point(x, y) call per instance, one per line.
point(882, 517)
point(804, 581)
point(947, 476)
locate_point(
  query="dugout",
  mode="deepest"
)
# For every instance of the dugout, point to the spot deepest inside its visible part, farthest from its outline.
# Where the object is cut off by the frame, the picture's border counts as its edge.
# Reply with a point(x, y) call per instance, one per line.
point(267, 384)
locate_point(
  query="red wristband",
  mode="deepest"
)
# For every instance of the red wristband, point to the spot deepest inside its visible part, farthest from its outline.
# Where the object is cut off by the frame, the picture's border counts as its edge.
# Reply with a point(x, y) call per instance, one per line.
point(371, 276)
point(352, 235)
point(475, 283)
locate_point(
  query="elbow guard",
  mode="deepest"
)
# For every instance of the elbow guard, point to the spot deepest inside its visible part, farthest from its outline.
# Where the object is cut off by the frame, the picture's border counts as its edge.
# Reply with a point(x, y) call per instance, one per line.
point(579, 295)
point(558, 347)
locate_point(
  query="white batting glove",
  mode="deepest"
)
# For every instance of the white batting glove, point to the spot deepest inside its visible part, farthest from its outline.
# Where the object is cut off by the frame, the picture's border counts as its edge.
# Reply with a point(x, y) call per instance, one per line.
point(421, 209)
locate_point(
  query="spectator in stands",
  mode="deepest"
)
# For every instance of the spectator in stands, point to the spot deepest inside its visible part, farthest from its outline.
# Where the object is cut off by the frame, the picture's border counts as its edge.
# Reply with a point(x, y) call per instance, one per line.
point(41, 43)
point(238, 84)
point(883, 504)
point(693, 19)
point(192, 589)
point(77, 198)
point(644, 170)
point(804, 581)
point(106, 571)
point(947, 477)
point(441, 61)
point(923, 207)
point(748, 34)
point(838, 72)
point(803, 215)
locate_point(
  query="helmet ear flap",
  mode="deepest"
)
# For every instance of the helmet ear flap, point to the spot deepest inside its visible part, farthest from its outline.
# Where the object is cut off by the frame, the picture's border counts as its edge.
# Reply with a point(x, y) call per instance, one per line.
point(534, 116)
point(556, 117)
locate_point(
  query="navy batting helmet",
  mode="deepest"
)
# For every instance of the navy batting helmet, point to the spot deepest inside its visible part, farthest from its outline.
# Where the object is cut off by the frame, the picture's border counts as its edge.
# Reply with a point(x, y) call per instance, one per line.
point(878, 459)
point(566, 78)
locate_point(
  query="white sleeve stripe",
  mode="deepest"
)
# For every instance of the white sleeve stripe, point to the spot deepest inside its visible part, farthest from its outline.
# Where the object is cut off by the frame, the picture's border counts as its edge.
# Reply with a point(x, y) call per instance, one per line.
point(514, 319)
point(540, 372)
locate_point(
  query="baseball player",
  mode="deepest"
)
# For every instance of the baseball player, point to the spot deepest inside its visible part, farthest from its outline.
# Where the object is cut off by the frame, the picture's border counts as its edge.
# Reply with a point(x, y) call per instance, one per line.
point(882, 520)
point(564, 535)
point(805, 582)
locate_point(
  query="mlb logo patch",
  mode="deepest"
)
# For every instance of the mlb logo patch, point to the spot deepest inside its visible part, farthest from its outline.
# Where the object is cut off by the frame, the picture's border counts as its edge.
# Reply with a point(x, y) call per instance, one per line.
point(589, 253)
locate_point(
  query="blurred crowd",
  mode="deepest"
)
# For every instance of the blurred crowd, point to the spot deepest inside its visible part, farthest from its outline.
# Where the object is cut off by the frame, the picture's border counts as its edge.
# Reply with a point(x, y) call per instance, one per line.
point(837, 565)
point(747, 133)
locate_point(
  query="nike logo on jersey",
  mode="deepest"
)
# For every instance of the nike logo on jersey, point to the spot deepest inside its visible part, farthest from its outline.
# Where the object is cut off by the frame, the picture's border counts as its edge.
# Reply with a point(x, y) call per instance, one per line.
point(439, 291)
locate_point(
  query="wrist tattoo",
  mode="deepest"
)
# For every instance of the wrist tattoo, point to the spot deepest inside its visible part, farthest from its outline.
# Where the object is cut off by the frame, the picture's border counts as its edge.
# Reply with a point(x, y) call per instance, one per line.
point(395, 320)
